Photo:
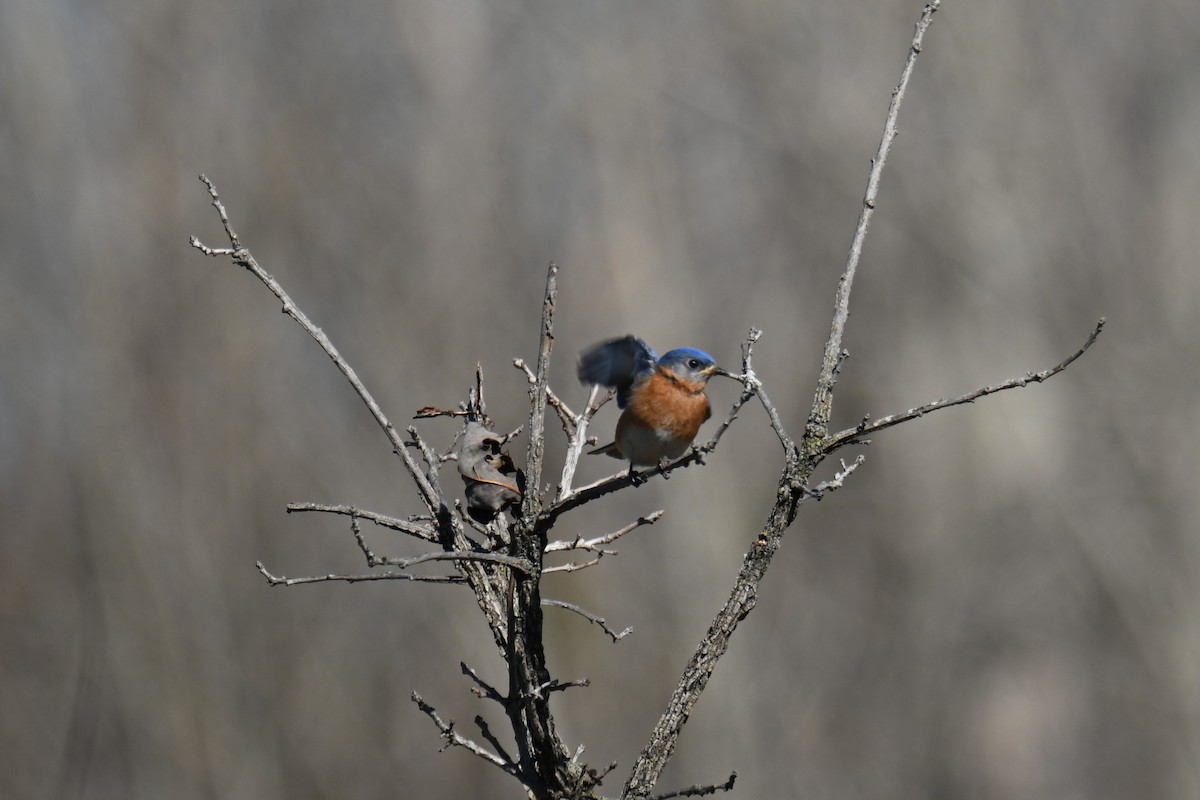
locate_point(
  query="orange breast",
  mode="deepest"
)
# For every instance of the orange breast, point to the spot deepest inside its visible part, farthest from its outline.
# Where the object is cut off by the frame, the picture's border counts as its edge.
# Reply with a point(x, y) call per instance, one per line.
point(665, 405)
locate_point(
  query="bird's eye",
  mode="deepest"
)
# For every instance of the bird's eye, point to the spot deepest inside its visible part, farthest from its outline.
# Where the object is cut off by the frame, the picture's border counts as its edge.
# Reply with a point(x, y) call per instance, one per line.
point(694, 363)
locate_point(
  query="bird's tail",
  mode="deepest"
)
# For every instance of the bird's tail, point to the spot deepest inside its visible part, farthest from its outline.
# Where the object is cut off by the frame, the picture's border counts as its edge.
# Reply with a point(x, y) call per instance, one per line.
point(608, 450)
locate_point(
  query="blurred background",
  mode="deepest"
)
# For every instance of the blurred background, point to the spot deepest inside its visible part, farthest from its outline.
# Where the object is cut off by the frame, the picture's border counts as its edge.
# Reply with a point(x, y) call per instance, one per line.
point(1003, 601)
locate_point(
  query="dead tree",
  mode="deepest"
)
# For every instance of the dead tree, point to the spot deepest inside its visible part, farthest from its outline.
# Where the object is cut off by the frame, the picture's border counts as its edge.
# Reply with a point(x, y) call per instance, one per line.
point(495, 546)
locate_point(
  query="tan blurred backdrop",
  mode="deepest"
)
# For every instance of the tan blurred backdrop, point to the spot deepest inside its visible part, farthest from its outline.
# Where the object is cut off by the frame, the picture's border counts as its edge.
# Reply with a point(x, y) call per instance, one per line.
point(1003, 603)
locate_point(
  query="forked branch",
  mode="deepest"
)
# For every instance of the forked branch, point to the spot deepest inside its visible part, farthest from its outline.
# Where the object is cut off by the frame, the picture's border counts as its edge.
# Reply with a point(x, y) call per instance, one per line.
point(822, 406)
point(865, 428)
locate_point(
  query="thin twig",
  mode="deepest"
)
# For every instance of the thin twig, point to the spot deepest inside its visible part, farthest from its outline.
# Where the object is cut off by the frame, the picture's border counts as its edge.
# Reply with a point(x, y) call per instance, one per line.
point(451, 451)
point(597, 543)
point(486, 732)
point(699, 791)
point(283, 580)
point(575, 566)
point(866, 428)
point(555, 685)
point(836, 482)
point(454, 738)
point(368, 553)
point(590, 617)
point(382, 520)
point(485, 689)
point(433, 461)
point(757, 385)
point(519, 564)
point(597, 775)
point(577, 440)
point(566, 416)
point(751, 387)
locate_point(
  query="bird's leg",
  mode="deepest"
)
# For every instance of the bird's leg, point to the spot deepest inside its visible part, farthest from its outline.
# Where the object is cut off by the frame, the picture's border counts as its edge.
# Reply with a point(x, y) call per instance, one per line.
point(662, 466)
point(635, 477)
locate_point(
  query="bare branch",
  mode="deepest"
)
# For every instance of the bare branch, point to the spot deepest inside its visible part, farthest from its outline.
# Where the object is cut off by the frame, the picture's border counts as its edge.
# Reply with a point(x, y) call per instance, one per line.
point(555, 685)
point(597, 544)
point(428, 412)
point(485, 689)
point(382, 520)
point(822, 407)
point(598, 775)
point(577, 440)
point(368, 553)
point(243, 258)
point(489, 588)
point(283, 580)
point(797, 469)
point(540, 749)
point(590, 617)
point(866, 428)
point(455, 739)
point(531, 502)
point(457, 556)
point(566, 416)
point(433, 461)
point(622, 480)
point(486, 733)
point(751, 387)
point(700, 791)
point(512, 562)
point(233, 237)
point(772, 413)
point(575, 566)
point(836, 482)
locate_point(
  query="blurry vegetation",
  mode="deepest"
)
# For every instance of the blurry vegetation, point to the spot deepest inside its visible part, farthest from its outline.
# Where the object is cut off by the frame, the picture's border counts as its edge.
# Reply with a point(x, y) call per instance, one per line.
point(1003, 605)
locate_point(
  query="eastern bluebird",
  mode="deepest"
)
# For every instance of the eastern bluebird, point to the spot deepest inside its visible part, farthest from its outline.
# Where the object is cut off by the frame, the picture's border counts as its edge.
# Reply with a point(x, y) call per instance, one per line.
point(663, 398)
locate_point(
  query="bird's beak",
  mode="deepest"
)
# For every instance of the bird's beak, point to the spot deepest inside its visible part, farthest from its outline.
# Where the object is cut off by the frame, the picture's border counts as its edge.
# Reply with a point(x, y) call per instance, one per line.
point(715, 370)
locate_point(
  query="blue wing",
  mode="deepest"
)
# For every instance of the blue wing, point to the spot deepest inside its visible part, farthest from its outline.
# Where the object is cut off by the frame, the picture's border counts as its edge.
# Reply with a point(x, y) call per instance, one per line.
point(619, 364)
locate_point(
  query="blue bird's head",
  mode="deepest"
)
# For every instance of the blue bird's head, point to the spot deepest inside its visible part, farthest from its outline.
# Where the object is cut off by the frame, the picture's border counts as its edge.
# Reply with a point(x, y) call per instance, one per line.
point(690, 364)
